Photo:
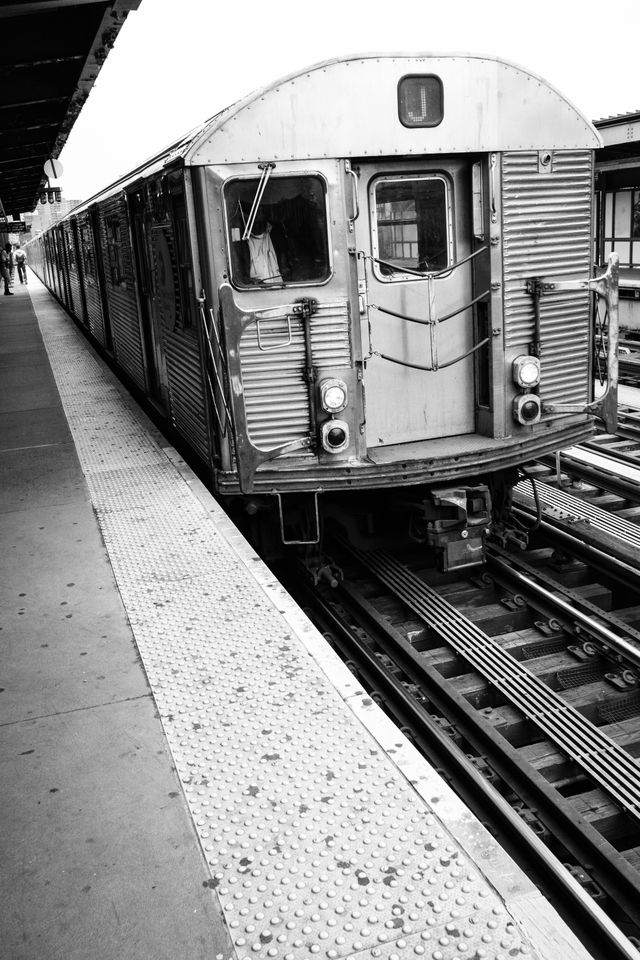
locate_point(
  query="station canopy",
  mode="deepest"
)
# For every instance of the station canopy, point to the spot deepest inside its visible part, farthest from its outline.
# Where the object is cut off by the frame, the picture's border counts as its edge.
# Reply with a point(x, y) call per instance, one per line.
point(51, 52)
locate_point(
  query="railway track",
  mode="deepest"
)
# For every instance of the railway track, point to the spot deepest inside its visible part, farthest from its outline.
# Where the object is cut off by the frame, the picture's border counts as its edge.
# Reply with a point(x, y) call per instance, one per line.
point(629, 363)
point(522, 684)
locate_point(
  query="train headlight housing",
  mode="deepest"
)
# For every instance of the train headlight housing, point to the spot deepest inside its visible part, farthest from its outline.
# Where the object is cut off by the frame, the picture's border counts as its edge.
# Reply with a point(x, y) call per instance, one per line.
point(335, 436)
point(526, 371)
point(333, 395)
point(527, 408)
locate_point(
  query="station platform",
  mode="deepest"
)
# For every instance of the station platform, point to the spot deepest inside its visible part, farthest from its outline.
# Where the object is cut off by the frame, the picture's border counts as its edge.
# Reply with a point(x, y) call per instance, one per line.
point(187, 769)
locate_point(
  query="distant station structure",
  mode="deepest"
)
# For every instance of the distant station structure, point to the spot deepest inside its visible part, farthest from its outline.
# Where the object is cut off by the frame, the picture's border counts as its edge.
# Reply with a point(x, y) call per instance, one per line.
point(50, 56)
point(617, 189)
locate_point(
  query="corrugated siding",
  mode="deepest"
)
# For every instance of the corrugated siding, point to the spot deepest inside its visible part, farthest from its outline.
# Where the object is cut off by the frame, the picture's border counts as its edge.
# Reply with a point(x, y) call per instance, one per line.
point(74, 272)
point(93, 300)
point(185, 389)
point(121, 299)
point(276, 394)
point(180, 347)
point(547, 234)
point(94, 309)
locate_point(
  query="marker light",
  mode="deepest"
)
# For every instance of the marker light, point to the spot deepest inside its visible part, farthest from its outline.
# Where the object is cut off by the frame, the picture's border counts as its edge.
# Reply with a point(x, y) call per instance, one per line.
point(333, 395)
point(527, 408)
point(526, 371)
point(335, 436)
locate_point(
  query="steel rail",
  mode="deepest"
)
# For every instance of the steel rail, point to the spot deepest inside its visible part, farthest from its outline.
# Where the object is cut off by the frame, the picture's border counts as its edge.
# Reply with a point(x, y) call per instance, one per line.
point(565, 726)
point(578, 905)
point(594, 621)
point(607, 470)
point(597, 518)
point(624, 433)
point(604, 562)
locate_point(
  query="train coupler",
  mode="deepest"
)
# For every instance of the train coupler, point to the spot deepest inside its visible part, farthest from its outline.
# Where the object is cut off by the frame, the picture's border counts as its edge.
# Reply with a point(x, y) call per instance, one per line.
point(454, 522)
point(321, 570)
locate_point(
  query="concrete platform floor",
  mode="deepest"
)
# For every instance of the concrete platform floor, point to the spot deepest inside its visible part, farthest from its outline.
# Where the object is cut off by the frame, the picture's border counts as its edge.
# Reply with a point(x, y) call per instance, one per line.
point(98, 854)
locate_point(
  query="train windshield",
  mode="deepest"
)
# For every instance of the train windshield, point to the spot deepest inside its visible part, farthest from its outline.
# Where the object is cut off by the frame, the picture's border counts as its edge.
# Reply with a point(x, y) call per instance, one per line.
point(412, 225)
point(287, 243)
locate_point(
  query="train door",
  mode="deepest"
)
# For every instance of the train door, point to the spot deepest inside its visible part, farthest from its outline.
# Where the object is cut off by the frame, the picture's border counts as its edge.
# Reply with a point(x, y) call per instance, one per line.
point(94, 270)
point(413, 226)
point(74, 240)
point(150, 317)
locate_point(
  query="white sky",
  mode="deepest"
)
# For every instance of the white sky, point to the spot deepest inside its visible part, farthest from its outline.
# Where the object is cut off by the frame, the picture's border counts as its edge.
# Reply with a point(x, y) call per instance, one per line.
point(177, 62)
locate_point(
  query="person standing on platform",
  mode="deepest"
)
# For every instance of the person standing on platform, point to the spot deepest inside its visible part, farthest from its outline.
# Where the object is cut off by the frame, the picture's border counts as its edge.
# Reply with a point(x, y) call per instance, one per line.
point(20, 257)
point(6, 259)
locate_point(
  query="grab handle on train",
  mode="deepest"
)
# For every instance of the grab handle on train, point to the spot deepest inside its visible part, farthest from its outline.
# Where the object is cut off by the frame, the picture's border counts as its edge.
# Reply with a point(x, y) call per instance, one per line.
point(605, 287)
point(356, 203)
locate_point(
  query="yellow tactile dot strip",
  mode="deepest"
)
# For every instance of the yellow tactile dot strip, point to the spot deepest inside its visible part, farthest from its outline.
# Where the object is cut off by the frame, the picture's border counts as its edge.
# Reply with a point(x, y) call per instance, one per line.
point(317, 844)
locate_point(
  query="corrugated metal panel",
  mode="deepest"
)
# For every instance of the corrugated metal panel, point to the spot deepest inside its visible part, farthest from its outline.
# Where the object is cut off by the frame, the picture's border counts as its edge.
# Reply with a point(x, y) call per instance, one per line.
point(330, 335)
point(121, 299)
point(185, 389)
point(93, 300)
point(65, 286)
point(276, 394)
point(179, 345)
point(76, 296)
point(94, 309)
point(547, 234)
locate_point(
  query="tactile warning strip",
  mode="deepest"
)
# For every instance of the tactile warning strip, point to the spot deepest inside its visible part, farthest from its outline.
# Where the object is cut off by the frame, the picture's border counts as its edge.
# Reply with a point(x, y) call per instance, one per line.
point(317, 844)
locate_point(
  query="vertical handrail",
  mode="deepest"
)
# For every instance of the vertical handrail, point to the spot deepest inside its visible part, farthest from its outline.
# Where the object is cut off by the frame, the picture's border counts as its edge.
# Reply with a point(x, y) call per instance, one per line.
point(433, 323)
point(226, 420)
point(356, 203)
point(606, 288)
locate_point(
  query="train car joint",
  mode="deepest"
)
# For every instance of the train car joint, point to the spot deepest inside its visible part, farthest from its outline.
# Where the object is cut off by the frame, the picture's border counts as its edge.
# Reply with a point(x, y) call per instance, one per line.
point(454, 523)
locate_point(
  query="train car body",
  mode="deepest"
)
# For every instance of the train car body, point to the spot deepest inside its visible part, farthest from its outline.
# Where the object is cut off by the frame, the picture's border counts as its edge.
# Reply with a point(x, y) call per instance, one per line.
point(373, 275)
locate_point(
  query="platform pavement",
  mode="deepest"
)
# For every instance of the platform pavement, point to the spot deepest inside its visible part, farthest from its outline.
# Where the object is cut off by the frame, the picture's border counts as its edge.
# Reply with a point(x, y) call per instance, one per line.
point(98, 854)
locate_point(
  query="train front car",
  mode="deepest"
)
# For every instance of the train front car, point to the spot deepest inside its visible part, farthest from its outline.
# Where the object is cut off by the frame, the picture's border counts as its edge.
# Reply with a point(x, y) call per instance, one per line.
point(398, 308)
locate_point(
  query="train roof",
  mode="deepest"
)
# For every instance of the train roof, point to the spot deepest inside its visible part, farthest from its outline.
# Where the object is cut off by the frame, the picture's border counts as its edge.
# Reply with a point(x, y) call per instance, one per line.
point(348, 107)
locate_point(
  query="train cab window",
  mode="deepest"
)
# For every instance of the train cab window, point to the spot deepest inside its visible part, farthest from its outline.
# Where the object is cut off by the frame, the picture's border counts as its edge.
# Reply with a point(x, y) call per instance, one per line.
point(412, 228)
point(288, 241)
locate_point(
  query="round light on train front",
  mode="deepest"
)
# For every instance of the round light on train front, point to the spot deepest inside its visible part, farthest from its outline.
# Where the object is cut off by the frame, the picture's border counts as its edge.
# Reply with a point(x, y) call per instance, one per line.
point(335, 436)
point(526, 371)
point(527, 409)
point(333, 395)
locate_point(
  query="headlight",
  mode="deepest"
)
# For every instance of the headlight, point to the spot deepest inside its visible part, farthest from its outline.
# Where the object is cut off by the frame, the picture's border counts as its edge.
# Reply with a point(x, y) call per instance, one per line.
point(333, 395)
point(527, 408)
point(335, 436)
point(526, 371)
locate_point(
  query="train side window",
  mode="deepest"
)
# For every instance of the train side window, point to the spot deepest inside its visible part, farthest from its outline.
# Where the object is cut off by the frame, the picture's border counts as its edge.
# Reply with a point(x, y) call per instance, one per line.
point(288, 243)
point(113, 232)
point(412, 227)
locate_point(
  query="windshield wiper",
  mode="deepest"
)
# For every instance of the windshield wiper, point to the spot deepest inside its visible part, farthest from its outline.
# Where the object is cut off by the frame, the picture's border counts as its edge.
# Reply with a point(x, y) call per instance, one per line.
point(266, 168)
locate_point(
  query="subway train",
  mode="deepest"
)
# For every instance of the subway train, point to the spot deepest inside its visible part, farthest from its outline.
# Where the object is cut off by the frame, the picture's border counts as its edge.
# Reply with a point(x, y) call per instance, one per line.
point(364, 294)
